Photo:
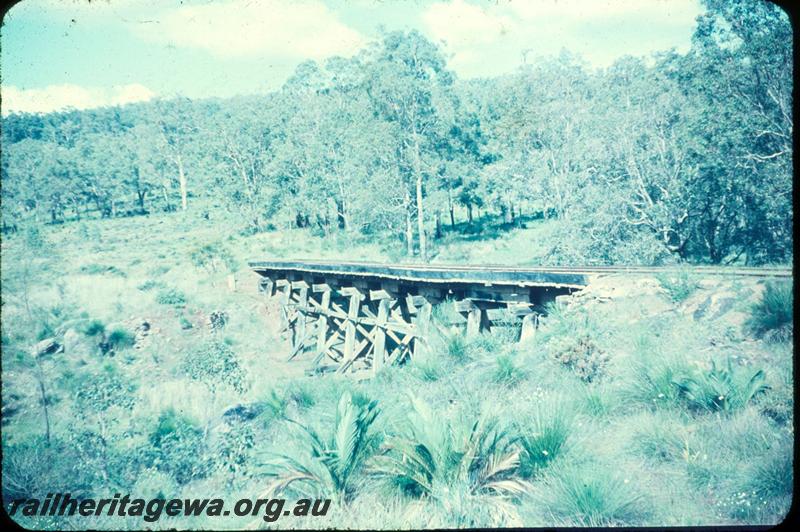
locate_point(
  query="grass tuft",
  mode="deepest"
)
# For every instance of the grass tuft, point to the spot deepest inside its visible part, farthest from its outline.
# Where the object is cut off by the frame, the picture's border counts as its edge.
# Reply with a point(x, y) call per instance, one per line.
point(771, 318)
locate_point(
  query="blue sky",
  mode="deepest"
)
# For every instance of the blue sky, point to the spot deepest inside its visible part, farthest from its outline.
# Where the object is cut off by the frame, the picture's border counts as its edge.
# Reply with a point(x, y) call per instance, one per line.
point(58, 53)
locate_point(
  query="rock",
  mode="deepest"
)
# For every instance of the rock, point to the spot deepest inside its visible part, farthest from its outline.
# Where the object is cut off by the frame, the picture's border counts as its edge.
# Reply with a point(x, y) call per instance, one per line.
point(141, 333)
point(242, 412)
point(48, 346)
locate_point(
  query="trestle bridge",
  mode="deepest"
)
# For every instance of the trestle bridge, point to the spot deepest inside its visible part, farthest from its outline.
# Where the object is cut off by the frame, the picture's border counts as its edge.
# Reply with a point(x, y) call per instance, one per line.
point(359, 316)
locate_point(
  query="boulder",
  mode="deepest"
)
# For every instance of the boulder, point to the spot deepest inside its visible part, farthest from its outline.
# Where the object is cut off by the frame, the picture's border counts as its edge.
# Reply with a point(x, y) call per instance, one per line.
point(46, 347)
point(242, 412)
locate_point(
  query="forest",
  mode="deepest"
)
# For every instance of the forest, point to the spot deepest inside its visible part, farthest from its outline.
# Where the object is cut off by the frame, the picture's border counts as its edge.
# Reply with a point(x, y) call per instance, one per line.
point(682, 157)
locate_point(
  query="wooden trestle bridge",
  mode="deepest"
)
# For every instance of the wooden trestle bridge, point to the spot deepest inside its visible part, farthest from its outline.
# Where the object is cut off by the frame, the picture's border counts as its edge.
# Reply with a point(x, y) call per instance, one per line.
point(365, 316)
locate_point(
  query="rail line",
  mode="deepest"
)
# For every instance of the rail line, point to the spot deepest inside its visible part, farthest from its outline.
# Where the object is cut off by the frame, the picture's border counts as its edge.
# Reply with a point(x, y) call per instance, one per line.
point(381, 268)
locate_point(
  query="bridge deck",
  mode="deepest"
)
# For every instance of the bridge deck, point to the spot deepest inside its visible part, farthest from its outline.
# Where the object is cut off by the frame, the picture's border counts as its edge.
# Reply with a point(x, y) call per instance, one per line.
point(479, 275)
point(568, 277)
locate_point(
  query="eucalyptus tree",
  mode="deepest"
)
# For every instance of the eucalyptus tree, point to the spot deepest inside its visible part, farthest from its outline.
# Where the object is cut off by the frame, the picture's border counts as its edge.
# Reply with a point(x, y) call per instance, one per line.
point(176, 123)
point(410, 87)
point(741, 67)
point(241, 137)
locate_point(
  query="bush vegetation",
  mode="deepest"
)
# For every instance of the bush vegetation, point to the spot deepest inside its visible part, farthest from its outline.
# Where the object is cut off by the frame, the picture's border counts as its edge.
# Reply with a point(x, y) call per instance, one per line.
point(772, 316)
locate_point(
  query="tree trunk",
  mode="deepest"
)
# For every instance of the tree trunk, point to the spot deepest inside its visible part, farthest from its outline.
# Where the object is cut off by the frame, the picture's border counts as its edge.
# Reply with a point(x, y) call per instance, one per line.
point(341, 215)
point(182, 180)
point(423, 248)
point(451, 208)
point(438, 234)
point(469, 212)
point(508, 217)
point(409, 229)
point(44, 400)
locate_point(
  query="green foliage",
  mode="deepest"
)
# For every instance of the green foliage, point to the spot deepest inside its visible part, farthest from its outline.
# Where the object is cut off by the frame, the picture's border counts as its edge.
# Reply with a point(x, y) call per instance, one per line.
point(457, 347)
point(508, 371)
point(303, 397)
point(179, 448)
point(33, 468)
point(434, 457)
point(661, 439)
point(171, 296)
point(94, 328)
point(98, 391)
point(213, 257)
point(155, 484)
point(721, 389)
point(582, 356)
point(149, 285)
point(120, 338)
point(679, 286)
point(772, 316)
point(429, 366)
point(101, 269)
point(592, 496)
point(542, 441)
point(214, 363)
point(327, 465)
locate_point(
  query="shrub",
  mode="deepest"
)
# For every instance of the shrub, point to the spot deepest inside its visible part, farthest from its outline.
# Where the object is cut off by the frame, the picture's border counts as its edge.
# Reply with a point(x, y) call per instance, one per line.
point(653, 382)
point(303, 397)
point(327, 465)
point(659, 439)
point(721, 389)
point(678, 286)
point(179, 447)
point(234, 449)
point(170, 296)
point(94, 328)
point(101, 269)
point(771, 482)
point(581, 355)
point(120, 338)
point(214, 363)
point(771, 318)
point(212, 257)
point(33, 468)
point(99, 391)
point(154, 484)
point(428, 366)
point(149, 285)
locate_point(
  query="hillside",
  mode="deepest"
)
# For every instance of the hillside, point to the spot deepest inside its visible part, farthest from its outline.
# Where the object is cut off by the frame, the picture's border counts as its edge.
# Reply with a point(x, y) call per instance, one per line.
point(623, 419)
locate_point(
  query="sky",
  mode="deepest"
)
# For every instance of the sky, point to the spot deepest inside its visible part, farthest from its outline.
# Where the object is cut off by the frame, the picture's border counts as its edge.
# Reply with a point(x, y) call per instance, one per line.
point(79, 53)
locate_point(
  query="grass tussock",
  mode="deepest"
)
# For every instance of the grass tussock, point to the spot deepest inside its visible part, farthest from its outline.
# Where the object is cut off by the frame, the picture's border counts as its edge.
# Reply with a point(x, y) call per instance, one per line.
point(772, 316)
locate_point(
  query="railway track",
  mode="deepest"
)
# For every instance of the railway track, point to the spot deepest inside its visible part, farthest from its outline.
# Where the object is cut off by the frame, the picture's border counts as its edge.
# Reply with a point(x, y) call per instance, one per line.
point(366, 268)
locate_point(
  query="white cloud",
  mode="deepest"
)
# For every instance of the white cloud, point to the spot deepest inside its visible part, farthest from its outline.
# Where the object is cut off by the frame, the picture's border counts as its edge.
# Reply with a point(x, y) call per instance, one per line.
point(491, 37)
point(241, 28)
point(461, 24)
point(59, 97)
point(591, 9)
